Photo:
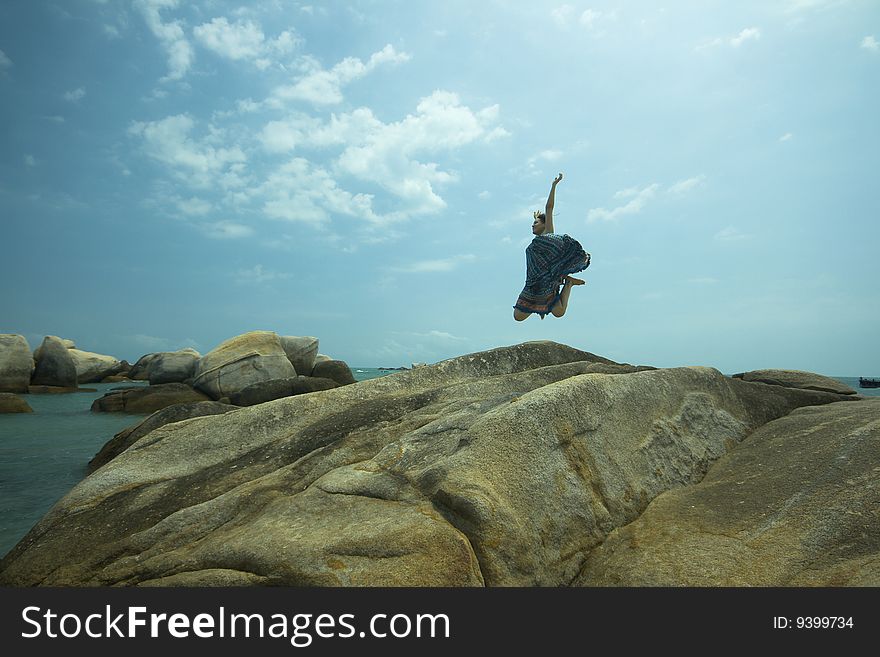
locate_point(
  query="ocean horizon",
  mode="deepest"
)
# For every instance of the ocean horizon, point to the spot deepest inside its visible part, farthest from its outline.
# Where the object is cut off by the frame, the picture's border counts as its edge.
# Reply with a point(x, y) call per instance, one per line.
point(44, 454)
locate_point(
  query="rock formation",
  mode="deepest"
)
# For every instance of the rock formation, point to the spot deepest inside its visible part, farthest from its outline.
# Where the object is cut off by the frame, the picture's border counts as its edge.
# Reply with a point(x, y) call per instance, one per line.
point(264, 391)
point(797, 379)
point(505, 467)
point(92, 367)
point(335, 370)
point(172, 366)
point(16, 363)
point(54, 365)
point(146, 399)
point(12, 403)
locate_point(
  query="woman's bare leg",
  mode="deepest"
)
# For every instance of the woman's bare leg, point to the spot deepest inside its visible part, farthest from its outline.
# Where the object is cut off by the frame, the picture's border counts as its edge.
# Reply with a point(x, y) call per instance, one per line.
point(519, 315)
point(562, 305)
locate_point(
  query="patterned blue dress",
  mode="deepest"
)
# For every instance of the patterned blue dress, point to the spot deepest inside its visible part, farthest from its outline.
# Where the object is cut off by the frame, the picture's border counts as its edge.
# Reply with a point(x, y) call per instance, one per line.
point(549, 258)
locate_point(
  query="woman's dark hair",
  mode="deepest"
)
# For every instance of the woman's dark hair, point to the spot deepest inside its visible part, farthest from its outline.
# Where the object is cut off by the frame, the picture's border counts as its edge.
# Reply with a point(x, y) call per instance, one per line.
point(540, 216)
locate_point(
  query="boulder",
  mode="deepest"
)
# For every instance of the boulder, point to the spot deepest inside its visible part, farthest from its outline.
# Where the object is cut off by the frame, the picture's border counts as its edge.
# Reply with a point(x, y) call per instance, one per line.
point(176, 413)
point(92, 367)
point(336, 370)
point(241, 361)
point(259, 393)
point(68, 344)
point(16, 363)
point(794, 505)
point(54, 365)
point(140, 370)
point(322, 358)
point(506, 467)
point(12, 403)
point(301, 352)
point(172, 366)
point(146, 399)
point(797, 379)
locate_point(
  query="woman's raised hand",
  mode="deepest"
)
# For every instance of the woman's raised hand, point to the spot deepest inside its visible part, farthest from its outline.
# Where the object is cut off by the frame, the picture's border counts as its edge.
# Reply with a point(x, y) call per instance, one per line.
point(557, 179)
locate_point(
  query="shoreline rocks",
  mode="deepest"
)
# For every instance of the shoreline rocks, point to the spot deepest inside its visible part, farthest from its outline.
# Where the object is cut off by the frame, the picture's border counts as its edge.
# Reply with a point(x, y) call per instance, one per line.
point(54, 365)
point(16, 363)
point(12, 403)
point(146, 399)
point(797, 379)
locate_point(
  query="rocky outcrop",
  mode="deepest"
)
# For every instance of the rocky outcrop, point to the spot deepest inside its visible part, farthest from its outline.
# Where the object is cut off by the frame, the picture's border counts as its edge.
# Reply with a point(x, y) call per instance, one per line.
point(146, 399)
point(335, 370)
point(301, 352)
point(797, 379)
point(505, 467)
point(795, 505)
point(176, 413)
point(241, 361)
point(92, 367)
point(54, 365)
point(259, 393)
point(16, 363)
point(12, 403)
point(140, 371)
point(68, 344)
point(172, 366)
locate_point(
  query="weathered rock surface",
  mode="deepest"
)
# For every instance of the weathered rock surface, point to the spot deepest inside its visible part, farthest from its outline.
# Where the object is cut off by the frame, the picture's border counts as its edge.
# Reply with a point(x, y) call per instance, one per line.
point(68, 344)
point(140, 371)
point(301, 352)
point(129, 436)
point(16, 363)
point(241, 361)
point(172, 366)
point(12, 403)
point(147, 399)
point(797, 504)
point(92, 367)
point(506, 467)
point(54, 365)
point(336, 370)
point(797, 379)
point(260, 393)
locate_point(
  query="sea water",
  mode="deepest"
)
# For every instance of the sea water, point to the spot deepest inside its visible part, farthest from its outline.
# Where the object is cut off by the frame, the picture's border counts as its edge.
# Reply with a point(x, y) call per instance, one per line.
point(45, 453)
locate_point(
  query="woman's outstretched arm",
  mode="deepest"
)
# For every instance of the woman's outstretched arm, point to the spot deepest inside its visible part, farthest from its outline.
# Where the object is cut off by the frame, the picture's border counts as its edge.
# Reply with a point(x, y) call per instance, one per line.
point(548, 209)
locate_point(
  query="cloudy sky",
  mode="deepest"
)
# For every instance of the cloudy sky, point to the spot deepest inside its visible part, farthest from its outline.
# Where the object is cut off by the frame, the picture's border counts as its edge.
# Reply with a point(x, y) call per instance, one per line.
point(177, 173)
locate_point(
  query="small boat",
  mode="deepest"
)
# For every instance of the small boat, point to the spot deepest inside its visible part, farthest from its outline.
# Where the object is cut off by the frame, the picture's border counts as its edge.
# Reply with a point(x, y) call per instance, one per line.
point(869, 383)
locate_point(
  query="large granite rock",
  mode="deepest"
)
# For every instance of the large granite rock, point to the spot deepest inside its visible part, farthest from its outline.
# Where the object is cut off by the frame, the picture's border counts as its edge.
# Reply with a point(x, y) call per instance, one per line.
point(301, 352)
point(68, 344)
point(172, 366)
point(16, 363)
point(92, 367)
point(797, 379)
point(146, 399)
point(140, 371)
point(12, 403)
point(264, 391)
point(506, 467)
point(797, 504)
point(129, 436)
point(335, 370)
point(241, 361)
point(54, 365)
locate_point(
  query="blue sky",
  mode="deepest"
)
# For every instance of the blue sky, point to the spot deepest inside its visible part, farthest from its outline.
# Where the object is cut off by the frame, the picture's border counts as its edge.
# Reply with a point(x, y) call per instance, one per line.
point(176, 173)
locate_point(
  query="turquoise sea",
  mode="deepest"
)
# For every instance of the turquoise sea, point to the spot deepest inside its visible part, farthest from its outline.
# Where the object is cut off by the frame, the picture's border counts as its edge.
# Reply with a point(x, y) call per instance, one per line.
point(44, 454)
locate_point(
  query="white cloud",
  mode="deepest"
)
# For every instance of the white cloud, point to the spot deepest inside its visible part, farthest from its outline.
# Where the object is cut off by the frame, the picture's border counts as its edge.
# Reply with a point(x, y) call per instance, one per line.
point(244, 40)
point(563, 15)
point(194, 207)
point(443, 264)
point(730, 234)
point(257, 274)
point(640, 198)
point(224, 230)
point(684, 186)
point(589, 18)
point(870, 43)
point(30, 161)
point(198, 162)
point(485, 195)
point(171, 35)
point(5, 62)
point(786, 137)
point(323, 87)
point(55, 119)
point(442, 336)
point(76, 95)
point(748, 34)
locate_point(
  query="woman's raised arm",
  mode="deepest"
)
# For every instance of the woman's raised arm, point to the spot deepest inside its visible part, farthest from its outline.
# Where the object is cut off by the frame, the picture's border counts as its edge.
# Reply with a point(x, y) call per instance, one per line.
point(548, 209)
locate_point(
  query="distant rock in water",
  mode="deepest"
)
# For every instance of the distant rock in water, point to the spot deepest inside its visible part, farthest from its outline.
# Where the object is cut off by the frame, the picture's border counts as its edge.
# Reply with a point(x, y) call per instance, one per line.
point(797, 379)
point(92, 367)
point(241, 361)
point(54, 365)
point(146, 399)
point(506, 467)
point(175, 413)
point(12, 403)
point(172, 366)
point(335, 370)
point(16, 363)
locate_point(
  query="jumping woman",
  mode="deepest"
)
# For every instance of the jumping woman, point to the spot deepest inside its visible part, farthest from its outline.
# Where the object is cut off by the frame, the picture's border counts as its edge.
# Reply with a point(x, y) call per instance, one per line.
point(550, 259)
